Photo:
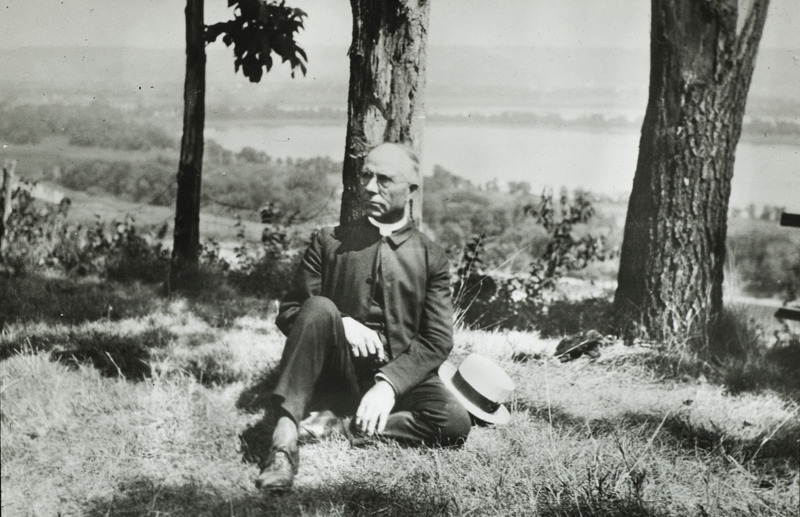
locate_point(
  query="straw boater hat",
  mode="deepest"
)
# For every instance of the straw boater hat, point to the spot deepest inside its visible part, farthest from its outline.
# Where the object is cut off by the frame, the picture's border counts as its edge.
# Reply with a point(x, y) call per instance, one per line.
point(481, 386)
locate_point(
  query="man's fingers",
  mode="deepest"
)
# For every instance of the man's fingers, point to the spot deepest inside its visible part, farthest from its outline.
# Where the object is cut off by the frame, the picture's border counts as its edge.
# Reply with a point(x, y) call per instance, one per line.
point(364, 342)
point(381, 423)
point(374, 409)
point(362, 418)
point(377, 346)
point(361, 349)
point(370, 345)
point(370, 421)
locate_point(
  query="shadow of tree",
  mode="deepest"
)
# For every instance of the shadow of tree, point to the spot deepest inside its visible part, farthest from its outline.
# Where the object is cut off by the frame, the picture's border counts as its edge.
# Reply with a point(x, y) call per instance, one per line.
point(773, 368)
point(783, 446)
point(567, 317)
point(70, 300)
point(142, 496)
point(40, 299)
point(112, 353)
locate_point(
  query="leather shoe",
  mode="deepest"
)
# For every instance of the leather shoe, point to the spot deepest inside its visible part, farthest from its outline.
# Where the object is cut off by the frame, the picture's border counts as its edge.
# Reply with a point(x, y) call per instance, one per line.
point(280, 470)
point(320, 426)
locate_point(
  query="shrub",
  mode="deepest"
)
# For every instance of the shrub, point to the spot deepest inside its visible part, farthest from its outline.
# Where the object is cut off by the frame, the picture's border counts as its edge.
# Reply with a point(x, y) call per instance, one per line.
point(489, 298)
point(767, 263)
point(40, 237)
point(267, 270)
point(32, 232)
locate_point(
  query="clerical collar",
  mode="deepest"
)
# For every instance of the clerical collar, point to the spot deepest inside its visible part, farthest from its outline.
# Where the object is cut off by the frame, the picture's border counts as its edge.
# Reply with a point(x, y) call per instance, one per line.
point(387, 229)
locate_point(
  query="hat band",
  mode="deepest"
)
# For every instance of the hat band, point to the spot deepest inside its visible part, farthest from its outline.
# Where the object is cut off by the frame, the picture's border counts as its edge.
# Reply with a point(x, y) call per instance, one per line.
point(484, 404)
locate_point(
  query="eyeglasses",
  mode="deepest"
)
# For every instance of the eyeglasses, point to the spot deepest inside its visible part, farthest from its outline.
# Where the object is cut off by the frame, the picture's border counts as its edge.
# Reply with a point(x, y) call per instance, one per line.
point(384, 182)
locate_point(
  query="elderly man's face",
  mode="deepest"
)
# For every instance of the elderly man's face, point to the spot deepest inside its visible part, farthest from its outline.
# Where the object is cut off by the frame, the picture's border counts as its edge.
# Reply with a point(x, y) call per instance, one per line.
point(387, 180)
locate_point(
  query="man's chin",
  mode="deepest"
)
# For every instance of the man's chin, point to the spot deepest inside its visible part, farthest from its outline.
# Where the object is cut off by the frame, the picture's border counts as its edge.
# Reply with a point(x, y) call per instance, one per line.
point(373, 211)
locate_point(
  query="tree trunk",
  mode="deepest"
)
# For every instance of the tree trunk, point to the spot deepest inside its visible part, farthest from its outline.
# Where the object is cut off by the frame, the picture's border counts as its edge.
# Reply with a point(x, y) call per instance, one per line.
point(702, 54)
point(387, 85)
point(186, 247)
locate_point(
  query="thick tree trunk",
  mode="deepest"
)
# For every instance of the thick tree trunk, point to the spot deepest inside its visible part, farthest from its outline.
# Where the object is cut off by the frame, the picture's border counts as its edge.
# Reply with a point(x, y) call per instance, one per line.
point(186, 248)
point(387, 85)
point(702, 55)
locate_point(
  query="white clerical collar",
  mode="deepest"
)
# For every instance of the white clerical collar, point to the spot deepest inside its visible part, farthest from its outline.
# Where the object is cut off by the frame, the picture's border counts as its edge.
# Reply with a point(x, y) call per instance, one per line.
point(387, 229)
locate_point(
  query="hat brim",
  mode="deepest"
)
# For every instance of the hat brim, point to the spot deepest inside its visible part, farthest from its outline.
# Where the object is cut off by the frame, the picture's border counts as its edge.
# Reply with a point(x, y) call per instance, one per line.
point(500, 416)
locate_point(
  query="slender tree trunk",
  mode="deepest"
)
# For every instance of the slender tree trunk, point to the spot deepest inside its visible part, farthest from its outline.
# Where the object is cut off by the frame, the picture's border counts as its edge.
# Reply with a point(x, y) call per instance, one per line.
point(186, 248)
point(702, 54)
point(387, 86)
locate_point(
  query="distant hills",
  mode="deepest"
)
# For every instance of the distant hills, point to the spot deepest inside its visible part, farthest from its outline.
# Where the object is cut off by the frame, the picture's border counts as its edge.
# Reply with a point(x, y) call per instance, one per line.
point(459, 78)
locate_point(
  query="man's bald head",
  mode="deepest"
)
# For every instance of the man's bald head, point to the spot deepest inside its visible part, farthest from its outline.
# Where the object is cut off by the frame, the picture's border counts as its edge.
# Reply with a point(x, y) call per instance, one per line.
point(402, 158)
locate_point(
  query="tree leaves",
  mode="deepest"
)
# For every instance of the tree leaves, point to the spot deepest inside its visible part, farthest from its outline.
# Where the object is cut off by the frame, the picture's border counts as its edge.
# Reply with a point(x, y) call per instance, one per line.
point(258, 30)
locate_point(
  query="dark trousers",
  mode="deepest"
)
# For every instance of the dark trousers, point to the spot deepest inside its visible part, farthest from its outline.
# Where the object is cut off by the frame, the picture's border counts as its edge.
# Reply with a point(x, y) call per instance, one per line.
point(317, 355)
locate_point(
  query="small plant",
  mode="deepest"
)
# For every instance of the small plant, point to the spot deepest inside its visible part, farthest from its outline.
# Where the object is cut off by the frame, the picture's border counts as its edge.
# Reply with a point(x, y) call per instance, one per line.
point(33, 231)
point(267, 270)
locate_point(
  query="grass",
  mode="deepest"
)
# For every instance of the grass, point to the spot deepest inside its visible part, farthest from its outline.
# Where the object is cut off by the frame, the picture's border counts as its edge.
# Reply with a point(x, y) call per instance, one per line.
point(169, 421)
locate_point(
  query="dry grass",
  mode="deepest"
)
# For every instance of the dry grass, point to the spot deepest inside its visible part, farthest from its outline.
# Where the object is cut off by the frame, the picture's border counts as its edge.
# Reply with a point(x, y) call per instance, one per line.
point(608, 437)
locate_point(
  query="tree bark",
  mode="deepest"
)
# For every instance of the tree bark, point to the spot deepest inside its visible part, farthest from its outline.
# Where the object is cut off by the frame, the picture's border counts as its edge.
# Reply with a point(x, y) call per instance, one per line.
point(186, 247)
point(702, 55)
point(387, 84)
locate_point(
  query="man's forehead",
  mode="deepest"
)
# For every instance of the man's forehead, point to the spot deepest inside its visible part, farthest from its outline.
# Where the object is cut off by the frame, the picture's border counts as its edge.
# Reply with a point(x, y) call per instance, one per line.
point(392, 160)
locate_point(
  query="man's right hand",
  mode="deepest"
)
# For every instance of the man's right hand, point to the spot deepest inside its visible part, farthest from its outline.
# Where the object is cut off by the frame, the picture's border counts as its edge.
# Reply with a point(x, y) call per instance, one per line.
point(364, 342)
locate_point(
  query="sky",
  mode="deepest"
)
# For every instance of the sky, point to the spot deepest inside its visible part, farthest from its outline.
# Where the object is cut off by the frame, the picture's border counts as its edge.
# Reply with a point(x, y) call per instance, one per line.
point(546, 23)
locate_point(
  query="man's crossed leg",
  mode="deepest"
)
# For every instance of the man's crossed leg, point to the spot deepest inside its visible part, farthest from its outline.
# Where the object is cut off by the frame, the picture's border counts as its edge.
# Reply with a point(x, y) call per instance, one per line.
point(317, 348)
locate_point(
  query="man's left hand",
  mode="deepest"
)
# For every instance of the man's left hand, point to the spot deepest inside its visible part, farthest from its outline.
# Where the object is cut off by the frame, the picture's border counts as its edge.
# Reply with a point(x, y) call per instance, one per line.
point(374, 409)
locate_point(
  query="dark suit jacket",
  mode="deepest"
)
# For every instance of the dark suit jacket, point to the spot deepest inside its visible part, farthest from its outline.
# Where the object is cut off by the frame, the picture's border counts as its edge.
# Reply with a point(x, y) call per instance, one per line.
point(416, 292)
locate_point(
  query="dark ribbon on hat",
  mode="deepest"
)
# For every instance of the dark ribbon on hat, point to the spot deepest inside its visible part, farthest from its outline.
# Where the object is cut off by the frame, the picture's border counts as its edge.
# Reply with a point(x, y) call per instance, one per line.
point(483, 403)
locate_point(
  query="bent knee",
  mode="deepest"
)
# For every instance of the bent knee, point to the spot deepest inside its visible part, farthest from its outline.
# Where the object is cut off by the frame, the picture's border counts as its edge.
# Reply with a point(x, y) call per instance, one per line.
point(457, 426)
point(319, 306)
point(450, 425)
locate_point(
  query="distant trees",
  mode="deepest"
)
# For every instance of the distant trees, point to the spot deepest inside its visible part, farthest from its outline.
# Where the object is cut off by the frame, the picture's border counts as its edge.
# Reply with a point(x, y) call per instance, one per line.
point(95, 125)
point(702, 54)
point(387, 84)
point(258, 29)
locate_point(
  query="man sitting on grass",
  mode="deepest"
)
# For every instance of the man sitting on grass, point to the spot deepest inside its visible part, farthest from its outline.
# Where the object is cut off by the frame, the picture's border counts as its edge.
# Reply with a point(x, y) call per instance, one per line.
point(370, 315)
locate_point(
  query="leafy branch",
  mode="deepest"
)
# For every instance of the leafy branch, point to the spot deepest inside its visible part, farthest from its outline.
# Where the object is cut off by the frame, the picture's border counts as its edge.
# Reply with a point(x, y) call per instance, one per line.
point(259, 29)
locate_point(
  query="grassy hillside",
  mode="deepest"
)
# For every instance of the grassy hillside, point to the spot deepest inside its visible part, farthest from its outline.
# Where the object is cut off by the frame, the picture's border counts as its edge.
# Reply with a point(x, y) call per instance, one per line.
point(116, 401)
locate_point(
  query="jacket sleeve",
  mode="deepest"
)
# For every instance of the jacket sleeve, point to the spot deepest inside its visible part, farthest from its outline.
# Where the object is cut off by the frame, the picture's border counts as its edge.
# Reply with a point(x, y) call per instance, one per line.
point(434, 341)
point(307, 282)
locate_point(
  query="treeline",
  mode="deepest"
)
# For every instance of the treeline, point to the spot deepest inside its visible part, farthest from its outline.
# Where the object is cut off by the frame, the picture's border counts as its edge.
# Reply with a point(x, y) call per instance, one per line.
point(232, 182)
point(95, 125)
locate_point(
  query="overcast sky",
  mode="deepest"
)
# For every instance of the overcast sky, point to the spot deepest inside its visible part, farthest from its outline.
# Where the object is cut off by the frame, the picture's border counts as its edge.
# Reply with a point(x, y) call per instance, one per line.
point(546, 23)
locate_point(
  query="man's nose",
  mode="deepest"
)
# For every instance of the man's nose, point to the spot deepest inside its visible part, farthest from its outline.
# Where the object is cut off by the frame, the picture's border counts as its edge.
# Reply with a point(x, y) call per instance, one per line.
point(372, 185)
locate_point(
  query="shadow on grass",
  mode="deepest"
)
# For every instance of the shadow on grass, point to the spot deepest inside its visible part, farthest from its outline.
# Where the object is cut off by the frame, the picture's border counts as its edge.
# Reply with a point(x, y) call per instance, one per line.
point(214, 300)
point(774, 368)
point(687, 435)
point(114, 354)
point(142, 496)
point(567, 317)
point(40, 299)
point(258, 396)
point(73, 300)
